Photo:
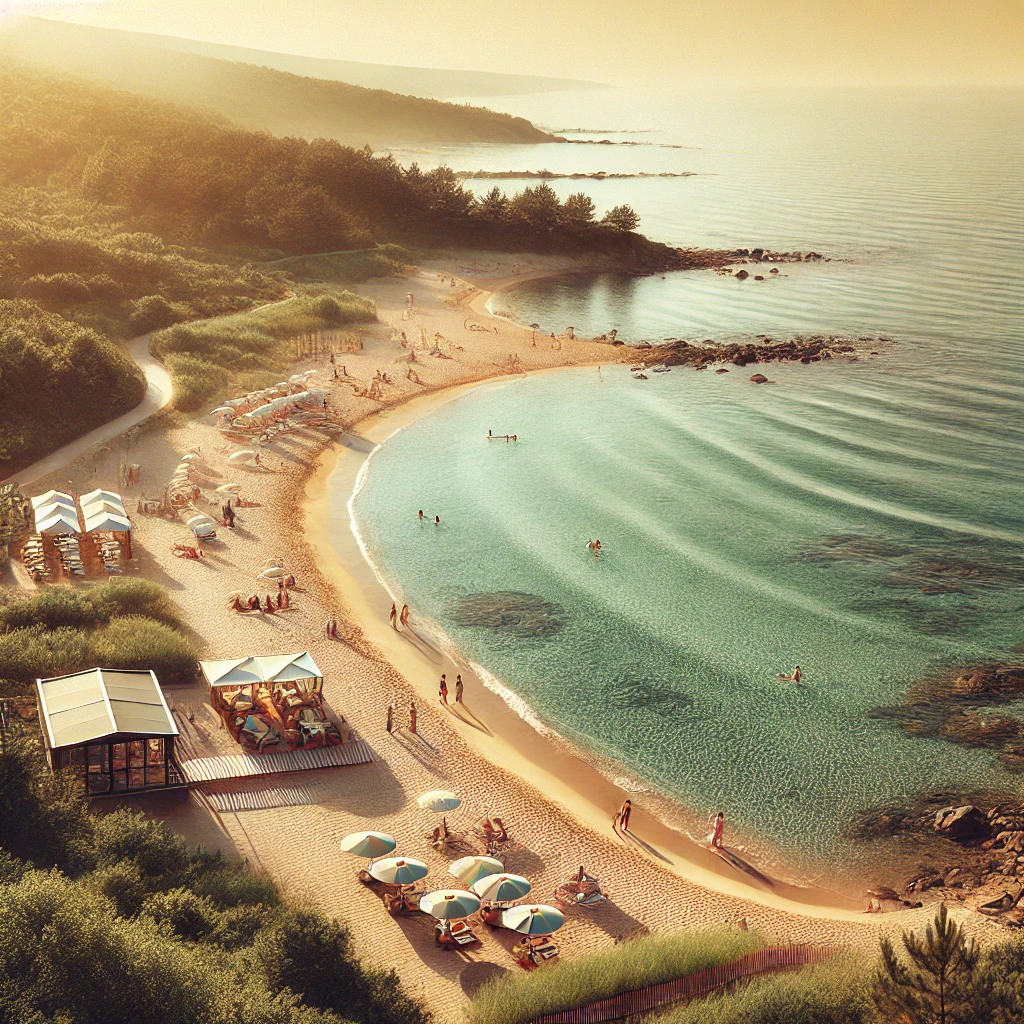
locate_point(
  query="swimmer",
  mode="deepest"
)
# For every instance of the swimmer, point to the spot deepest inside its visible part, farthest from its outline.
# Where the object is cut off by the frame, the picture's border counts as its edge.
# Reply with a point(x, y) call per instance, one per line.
point(794, 678)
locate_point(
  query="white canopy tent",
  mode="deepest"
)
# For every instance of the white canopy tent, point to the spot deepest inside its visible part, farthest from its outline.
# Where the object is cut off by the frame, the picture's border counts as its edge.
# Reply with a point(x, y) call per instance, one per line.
point(58, 521)
point(273, 668)
point(101, 495)
point(103, 521)
point(52, 498)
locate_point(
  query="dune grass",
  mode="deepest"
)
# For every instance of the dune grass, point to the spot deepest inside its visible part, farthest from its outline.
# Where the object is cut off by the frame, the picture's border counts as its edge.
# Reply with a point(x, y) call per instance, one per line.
point(207, 357)
point(350, 266)
point(519, 998)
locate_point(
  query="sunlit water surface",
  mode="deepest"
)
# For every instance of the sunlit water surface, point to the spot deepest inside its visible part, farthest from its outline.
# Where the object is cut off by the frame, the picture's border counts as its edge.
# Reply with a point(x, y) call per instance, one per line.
point(747, 529)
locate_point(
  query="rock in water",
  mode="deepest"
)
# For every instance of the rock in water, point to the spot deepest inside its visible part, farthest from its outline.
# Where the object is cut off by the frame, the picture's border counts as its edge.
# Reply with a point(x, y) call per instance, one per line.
point(965, 822)
point(759, 378)
point(523, 615)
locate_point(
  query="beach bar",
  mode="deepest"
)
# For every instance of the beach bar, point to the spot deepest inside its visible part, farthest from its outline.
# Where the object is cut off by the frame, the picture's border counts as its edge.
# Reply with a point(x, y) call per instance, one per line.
point(112, 728)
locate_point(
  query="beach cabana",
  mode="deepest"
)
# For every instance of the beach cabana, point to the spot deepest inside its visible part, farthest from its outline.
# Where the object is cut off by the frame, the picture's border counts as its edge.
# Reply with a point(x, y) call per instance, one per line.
point(285, 691)
point(101, 495)
point(112, 728)
point(52, 498)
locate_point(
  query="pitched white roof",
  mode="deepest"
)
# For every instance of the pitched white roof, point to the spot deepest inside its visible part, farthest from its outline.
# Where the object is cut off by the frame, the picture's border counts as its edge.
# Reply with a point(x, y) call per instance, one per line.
point(102, 521)
point(101, 495)
point(271, 668)
point(103, 702)
point(52, 498)
point(57, 520)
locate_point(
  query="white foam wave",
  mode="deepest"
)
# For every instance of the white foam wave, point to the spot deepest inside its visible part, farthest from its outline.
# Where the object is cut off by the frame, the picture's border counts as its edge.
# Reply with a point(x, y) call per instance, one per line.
point(513, 700)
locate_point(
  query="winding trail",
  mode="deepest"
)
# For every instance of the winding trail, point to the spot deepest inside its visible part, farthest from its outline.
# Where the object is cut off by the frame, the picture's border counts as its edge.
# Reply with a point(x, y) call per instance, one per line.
point(158, 394)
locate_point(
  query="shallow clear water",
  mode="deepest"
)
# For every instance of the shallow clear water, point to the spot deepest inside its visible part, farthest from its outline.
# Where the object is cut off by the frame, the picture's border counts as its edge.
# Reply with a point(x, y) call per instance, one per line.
point(747, 529)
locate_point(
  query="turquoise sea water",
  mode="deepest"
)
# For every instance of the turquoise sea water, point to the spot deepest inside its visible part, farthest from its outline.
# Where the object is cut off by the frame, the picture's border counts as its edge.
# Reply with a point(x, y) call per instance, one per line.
point(747, 529)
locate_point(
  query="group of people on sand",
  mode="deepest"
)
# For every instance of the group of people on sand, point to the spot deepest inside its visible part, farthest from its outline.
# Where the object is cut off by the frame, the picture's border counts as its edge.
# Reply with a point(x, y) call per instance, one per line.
point(498, 437)
point(270, 604)
point(437, 519)
point(442, 690)
point(395, 617)
point(492, 828)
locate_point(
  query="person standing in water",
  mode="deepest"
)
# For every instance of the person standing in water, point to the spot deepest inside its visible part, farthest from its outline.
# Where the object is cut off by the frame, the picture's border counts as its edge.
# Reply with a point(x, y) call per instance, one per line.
point(443, 690)
point(421, 515)
point(437, 520)
point(404, 617)
point(715, 839)
point(794, 678)
point(458, 689)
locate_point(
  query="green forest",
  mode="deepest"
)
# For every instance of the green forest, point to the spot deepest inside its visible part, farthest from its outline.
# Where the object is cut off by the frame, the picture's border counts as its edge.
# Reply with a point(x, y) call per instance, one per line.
point(121, 215)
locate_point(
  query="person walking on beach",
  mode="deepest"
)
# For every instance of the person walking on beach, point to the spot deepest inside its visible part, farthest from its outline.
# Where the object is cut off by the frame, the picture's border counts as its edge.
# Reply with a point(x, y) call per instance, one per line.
point(404, 617)
point(458, 689)
point(715, 839)
point(412, 719)
point(437, 520)
point(443, 690)
point(390, 724)
point(622, 818)
point(393, 615)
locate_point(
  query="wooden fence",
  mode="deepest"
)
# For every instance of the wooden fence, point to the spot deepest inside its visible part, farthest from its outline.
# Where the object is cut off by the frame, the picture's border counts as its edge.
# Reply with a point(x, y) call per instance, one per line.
point(692, 986)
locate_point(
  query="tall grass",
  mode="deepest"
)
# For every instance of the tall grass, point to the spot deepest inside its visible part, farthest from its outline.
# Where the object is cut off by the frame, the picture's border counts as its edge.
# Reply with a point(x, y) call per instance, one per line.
point(832, 993)
point(519, 998)
point(347, 267)
point(207, 356)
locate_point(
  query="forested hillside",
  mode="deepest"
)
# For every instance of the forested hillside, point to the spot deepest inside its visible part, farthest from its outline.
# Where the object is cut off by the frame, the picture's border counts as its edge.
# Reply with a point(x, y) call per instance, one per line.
point(120, 215)
point(258, 97)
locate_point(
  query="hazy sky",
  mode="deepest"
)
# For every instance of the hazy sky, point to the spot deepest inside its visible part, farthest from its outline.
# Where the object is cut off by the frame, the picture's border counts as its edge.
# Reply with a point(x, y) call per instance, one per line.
point(861, 42)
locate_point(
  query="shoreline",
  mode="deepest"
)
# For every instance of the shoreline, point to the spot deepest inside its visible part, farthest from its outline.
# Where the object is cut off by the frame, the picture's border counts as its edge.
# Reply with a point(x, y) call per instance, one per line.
point(560, 770)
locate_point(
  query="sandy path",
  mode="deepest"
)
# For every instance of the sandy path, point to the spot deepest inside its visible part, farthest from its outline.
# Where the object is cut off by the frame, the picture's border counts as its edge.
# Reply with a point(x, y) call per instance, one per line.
point(298, 845)
point(158, 394)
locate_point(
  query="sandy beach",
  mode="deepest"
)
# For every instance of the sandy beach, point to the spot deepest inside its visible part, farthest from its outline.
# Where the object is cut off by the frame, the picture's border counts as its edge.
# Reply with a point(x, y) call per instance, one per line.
point(557, 807)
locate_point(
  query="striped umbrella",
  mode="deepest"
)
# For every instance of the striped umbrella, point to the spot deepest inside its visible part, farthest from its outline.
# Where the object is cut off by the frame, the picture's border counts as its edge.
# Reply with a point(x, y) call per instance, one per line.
point(501, 888)
point(368, 844)
point(399, 870)
point(472, 869)
point(449, 904)
point(527, 920)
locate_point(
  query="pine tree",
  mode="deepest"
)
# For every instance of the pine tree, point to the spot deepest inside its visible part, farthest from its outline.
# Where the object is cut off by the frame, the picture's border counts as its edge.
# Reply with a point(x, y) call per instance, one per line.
point(935, 987)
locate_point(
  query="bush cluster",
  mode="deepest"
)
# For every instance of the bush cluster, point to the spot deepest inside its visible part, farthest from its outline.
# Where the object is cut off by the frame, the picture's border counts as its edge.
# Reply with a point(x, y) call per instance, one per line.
point(207, 357)
point(113, 920)
point(117, 624)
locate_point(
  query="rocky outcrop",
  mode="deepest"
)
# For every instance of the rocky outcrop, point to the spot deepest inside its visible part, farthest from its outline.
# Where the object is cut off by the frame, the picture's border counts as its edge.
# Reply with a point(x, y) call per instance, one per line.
point(964, 823)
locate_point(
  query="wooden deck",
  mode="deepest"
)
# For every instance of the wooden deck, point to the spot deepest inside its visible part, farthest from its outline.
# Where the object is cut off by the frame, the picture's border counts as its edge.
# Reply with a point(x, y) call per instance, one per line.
point(261, 799)
point(240, 766)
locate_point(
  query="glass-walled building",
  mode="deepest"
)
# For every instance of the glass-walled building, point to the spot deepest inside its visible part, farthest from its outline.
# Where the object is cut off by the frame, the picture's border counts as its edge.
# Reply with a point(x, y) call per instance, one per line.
point(113, 728)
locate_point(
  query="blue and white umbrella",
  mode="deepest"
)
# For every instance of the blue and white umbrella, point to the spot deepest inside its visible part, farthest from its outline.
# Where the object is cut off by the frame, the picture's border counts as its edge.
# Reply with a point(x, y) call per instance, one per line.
point(438, 800)
point(399, 870)
point(449, 904)
point(527, 920)
point(472, 869)
point(501, 888)
point(368, 844)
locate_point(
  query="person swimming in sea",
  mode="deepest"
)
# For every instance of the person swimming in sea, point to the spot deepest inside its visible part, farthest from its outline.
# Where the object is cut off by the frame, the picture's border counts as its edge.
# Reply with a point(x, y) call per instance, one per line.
point(794, 678)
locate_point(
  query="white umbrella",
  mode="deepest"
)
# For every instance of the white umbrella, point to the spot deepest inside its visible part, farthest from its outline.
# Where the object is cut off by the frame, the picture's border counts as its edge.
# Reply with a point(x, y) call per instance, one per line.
point(527, 920)
point(244, 453)
point(190, 457)
point(438, 800)
point(472, 869)
point(449, 904)
point(196, 520)
point(501, 888)
point(399, 871)
point(368, 844)
point(274, 573)
point(204, 530)
point(229, 488)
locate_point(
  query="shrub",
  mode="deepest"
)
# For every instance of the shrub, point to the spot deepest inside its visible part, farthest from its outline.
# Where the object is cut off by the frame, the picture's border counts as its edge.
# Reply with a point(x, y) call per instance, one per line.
point(837, 993)
point(126, 835)
point(123, 885)
point(153, 312)
point(235, 887)
point(516, 999)
point(183, 912)
point(133, 641)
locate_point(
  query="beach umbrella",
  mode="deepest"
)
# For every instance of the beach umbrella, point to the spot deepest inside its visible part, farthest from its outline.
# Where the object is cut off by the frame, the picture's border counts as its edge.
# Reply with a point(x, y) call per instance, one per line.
point(399, 871)
point(438, 800)
point(368, 844)
point(244, 453)
point(501, 888)
point(204, 530)
point(190, 457)
point(527, 920)
point(472, 869)
point(274, 572)
point(196, 520)
point(449, 904)
point(229, 488)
